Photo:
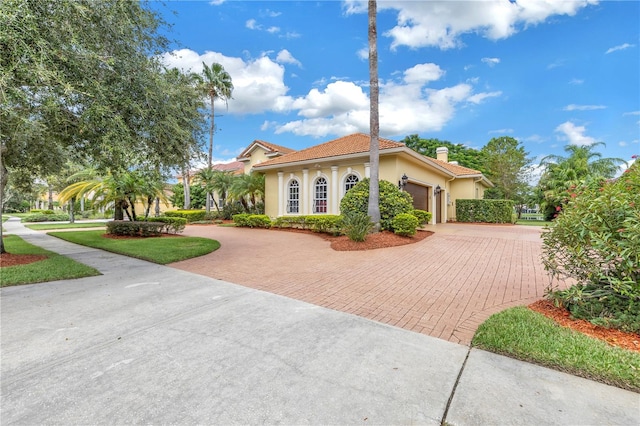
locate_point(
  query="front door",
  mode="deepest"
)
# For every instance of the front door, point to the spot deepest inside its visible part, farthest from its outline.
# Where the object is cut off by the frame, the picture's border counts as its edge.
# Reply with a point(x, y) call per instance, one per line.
point(439, 207)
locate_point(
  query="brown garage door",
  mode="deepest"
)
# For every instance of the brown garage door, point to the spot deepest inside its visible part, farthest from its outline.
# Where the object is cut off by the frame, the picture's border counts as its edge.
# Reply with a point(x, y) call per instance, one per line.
point(420, 196)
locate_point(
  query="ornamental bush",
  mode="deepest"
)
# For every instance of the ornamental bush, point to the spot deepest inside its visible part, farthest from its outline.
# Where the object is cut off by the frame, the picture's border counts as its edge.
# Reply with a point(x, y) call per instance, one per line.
point(172, 225)
point(423, 216)
point(595, 241)
point(405, 224)
point(135, 228)
point(252, 220)
point(486, 211)
point(190, 215)
point(392, 202)
point(46, 217)
point(356, 226)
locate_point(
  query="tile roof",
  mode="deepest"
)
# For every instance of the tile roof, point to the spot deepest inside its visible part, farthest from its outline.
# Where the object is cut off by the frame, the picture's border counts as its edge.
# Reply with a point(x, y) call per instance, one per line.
point(456, 169)
point(236, 166)
point(271, 147)
point(350, 144)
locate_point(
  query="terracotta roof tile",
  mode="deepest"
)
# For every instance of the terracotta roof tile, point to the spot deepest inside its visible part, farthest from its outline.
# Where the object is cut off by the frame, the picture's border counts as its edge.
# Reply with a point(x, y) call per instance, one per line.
point(456, 168)
point(350, 144)
point(271, 147)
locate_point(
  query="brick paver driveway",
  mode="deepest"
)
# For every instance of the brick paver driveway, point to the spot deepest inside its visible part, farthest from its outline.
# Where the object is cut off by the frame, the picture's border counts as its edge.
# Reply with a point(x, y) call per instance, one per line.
point(443, 286)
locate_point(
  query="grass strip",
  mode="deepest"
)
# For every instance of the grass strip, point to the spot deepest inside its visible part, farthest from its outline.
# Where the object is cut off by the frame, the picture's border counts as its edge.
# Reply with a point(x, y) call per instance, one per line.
point(54, 267)
point(45, 226)
point(530, 336)
point(534, 223)
point(161, 250)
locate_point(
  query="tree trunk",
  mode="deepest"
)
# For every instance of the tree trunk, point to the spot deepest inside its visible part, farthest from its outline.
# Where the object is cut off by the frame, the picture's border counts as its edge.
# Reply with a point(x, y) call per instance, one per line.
point(4, 175)
point(211, 127)
point(50, 190)
point(72, 205)
point(374, 122)
point(187, 189)
point(157, 206)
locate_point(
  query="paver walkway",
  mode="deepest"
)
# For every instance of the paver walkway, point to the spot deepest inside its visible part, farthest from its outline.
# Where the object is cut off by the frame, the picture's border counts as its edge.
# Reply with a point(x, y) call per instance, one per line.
point(443, 286)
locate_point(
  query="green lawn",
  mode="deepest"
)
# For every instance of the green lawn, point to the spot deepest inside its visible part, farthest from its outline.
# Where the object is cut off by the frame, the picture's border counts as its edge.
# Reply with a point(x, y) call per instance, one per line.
point(534, 222)
point(530, 336)
point(54, 267)
point(158, 250)
point(76, 225)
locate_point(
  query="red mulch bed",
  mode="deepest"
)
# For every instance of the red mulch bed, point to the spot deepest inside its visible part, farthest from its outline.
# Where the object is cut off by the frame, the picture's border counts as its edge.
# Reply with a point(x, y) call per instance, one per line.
point(10, 259)
point(618, 338)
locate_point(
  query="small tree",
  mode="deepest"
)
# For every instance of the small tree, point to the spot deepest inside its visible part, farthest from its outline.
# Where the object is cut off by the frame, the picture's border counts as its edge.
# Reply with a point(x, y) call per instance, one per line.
point(595, 241)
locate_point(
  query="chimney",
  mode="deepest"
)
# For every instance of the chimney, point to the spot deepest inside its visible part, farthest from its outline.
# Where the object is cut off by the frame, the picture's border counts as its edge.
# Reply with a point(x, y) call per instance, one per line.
point(442, 154)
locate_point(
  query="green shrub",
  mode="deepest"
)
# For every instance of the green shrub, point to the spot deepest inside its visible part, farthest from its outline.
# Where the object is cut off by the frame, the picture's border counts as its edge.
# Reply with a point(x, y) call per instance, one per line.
point(172, 225)
point(356, 225)
point(424, 217)
point(135, 229)
point(595, 241)
point(41, 217)
point(405, 224)
point(486, 211)
point(259, 221)
point(231, 209)
point(190, 215)
point(330, 224)
point(252, 220)
point(392, 202)
point(241, 219)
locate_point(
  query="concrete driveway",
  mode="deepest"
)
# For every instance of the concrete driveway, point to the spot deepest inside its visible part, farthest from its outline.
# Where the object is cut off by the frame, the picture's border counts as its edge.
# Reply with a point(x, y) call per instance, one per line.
point(443, 286)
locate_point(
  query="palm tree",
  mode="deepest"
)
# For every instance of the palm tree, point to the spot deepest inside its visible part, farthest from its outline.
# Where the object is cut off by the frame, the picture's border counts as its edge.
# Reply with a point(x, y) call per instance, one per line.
point(216, 84)
point(563, 174)
point(121, 191)
point(374, 120)
point(248, 189)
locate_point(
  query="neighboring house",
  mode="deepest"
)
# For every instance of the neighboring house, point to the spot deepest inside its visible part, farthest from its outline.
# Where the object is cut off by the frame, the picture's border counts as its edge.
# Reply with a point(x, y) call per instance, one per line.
point(314, 180)
point(235, 167)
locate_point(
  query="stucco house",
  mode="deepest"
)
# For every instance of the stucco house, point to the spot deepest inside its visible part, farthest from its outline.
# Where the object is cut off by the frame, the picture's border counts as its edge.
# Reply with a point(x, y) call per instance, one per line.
point(314, 180)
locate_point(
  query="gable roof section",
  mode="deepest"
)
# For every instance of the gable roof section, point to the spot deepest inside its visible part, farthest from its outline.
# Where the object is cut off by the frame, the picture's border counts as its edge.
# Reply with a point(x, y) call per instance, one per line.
point(351, 144)
point(271, 150)
point(456, 169)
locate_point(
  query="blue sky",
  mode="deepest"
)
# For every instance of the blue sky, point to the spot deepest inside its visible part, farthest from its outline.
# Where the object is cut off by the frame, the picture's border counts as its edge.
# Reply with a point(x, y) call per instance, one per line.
point(548, 73)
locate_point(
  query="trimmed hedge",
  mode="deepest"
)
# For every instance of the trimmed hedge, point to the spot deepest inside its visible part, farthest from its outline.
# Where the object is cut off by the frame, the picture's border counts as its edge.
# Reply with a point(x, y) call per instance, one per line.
point(252, 220)
point(135, 229)
point(45, 217)
point(327, 223)
point(405, 224)
point(172, 225)
point(190, 215)
point(487, 211)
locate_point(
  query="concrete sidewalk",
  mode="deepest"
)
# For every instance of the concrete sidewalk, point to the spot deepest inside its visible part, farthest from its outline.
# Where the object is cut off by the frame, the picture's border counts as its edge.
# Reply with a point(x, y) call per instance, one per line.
point(145, 343)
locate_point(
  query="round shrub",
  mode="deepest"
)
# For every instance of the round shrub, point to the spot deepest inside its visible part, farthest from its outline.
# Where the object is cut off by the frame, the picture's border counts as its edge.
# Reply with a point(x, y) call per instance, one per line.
point(595, 241)
point(423, 216)
point(405, 224)
point(356, 226)
point(392, 202)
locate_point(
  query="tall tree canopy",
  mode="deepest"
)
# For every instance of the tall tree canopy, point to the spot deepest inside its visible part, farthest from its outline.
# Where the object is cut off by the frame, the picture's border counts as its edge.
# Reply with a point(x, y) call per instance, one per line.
point(506, 164)
point(467, 157)
point(81, 79)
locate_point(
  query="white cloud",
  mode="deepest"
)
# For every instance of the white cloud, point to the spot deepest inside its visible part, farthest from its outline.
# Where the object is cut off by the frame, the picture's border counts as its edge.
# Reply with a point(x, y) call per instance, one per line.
point(500, 131)
point(441, 24)
point(363, 54)
point(252, 24)
point(620, 47)
point(491, 61)
point(574, 134)
point(423, 73)
point(632, 113)
point(258, 83)
point(216, 2)
point(576, 81)
point(479, 97)
point(534, 138)
point(273, 30)
point(406, 106)
point(574, 107)
point(285, 57)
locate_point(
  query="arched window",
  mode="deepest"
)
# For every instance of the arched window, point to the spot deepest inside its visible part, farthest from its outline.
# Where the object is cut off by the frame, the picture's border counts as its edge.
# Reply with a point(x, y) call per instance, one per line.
point(293, 197)
point(320, 196)
point(350, 182)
